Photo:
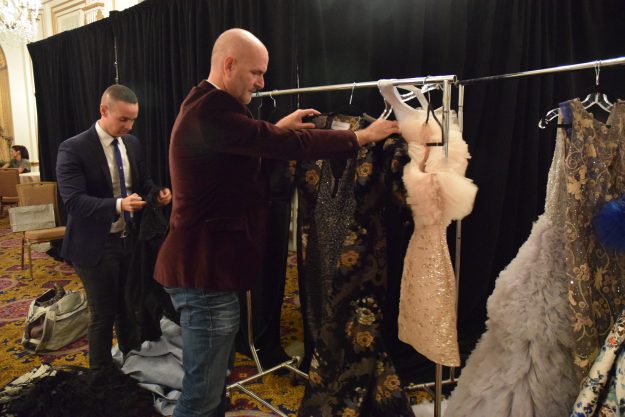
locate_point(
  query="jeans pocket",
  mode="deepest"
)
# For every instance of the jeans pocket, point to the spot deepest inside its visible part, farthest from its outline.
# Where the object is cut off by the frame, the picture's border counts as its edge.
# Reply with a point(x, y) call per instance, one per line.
point(217, 312)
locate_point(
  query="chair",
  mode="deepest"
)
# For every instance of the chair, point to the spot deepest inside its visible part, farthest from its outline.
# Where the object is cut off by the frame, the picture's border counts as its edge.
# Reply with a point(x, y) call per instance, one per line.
point(39, 193)
point(9, 179)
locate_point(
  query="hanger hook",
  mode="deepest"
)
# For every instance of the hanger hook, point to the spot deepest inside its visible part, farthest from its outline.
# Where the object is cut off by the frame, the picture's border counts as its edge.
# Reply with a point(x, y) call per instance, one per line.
point(351, 96)
point(597, 71)
point(274, 100)
point(258, 109)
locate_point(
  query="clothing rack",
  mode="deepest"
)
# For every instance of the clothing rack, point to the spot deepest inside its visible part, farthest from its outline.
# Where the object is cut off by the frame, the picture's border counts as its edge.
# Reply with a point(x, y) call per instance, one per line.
point(597, 65)
point(291, 364)
point(447, 81)
point(438, 79)
point(562, 68)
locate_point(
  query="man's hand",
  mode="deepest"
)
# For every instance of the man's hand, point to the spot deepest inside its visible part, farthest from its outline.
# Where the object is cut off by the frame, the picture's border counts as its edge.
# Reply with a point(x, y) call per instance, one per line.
point(376, 131)
point(133, 203)
point(164, 196)
point(294, 120)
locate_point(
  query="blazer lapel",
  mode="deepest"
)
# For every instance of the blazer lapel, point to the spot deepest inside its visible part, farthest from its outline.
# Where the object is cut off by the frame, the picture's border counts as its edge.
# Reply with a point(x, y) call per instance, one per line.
point(100, 158)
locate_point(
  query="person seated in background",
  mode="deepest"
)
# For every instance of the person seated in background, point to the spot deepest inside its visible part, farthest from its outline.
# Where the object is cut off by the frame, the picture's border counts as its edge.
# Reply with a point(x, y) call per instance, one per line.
point(19, 159)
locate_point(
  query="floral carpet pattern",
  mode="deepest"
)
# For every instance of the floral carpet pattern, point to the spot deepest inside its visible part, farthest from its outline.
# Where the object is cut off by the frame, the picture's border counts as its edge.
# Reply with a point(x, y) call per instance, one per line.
point(17, 290)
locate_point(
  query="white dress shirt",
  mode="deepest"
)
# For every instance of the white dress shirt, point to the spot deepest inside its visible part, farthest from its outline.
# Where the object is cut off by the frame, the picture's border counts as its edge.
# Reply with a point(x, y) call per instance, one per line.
point(109, 151)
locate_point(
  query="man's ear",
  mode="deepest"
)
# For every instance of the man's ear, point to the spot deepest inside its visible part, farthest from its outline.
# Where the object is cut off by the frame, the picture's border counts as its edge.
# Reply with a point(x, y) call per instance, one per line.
point(103, 110)
point(228, 64)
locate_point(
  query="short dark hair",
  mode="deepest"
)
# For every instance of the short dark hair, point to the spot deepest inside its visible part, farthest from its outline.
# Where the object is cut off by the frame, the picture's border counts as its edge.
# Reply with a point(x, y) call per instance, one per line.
point(22, 150)
point(119, 92)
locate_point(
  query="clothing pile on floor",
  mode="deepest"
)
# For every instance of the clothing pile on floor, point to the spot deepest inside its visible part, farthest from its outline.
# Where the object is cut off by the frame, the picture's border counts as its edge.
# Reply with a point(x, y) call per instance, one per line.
point(75, 391)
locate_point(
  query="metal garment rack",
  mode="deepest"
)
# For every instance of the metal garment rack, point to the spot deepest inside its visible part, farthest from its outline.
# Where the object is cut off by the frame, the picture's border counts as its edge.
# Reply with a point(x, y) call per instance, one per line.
point(291, 364)
point(562, 68)
point(597, 65)
point(447, 81)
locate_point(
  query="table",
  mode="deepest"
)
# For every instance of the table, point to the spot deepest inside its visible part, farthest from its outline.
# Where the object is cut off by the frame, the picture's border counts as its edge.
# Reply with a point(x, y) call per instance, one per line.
point(29, 177)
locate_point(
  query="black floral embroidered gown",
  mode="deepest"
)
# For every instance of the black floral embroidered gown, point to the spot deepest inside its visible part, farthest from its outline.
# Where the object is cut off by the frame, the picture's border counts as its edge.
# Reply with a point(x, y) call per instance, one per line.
point(343, 274)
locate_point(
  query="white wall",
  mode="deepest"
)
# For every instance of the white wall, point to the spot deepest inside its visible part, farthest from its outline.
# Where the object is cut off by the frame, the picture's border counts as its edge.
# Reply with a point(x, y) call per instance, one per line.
point(23, 105)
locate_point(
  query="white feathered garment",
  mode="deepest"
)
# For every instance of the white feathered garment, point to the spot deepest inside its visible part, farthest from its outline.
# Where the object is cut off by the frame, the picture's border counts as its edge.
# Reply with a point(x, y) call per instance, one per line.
point(437, 193)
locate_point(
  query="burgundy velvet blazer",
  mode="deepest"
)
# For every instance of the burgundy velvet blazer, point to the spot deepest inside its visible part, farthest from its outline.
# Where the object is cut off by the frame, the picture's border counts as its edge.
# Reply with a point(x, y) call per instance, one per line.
point(220, 203)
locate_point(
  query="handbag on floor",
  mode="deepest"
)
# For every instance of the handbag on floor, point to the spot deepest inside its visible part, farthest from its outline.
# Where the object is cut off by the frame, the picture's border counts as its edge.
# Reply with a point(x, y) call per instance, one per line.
point(55, 319)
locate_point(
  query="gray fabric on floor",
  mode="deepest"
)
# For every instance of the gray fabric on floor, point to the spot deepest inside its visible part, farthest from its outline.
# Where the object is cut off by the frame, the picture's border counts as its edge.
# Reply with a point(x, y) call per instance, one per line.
point(157, 366)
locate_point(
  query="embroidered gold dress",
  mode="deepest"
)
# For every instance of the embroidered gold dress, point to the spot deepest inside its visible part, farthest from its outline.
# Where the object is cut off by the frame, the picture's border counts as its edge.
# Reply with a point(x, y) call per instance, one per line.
point(555, 302)
point(595, 174)
point(437, 192)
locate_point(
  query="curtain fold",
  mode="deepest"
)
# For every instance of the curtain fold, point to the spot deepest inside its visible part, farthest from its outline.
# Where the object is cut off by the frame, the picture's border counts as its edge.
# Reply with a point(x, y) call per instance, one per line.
point(69, 70)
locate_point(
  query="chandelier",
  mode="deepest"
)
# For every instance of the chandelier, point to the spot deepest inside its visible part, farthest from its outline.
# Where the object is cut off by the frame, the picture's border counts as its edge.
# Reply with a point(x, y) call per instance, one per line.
point(18, 19)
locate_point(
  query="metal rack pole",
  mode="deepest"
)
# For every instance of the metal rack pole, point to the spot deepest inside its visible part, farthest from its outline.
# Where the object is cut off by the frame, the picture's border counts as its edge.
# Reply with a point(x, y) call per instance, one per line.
point(350, 86)
point(457, 258)
point(291, 364)
point(438, 371)
point(601, 63)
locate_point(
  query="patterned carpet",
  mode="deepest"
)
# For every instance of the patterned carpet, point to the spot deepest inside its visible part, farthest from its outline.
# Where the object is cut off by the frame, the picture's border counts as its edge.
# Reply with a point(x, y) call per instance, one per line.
point(17, 290)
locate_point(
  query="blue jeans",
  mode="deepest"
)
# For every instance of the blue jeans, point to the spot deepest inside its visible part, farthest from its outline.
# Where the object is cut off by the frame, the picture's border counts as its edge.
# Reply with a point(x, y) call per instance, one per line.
point(209, 322)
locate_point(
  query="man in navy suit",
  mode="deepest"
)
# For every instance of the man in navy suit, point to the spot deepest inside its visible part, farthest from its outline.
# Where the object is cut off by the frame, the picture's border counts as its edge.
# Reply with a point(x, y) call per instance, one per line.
point(101, 176)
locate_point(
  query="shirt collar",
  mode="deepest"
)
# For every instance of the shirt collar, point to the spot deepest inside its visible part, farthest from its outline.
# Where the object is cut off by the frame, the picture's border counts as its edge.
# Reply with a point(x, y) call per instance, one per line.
point(105, 138)
point(212, 84)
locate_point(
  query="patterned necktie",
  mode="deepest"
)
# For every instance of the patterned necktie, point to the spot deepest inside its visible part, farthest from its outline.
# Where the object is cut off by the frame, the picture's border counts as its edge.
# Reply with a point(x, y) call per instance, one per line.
point(122, 178)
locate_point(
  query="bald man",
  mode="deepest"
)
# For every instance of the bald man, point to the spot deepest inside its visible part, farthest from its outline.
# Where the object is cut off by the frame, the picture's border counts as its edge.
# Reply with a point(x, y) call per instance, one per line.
point(97, 189)
point(218, 225)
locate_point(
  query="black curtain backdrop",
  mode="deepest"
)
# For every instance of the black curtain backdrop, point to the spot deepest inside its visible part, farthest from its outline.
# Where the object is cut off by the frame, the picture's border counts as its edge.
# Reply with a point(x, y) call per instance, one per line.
point(164, 46)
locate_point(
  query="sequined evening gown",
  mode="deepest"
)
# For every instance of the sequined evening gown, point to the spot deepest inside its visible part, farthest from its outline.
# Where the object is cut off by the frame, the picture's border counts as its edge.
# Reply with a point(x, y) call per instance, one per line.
point(437, 192)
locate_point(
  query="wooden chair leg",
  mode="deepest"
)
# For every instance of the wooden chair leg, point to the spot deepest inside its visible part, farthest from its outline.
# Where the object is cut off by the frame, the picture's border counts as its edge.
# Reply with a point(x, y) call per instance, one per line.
point(23, 243)
point(30, 260)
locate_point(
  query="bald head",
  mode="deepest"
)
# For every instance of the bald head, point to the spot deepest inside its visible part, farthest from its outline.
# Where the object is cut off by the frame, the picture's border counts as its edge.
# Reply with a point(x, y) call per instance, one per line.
point(238, 62)
point(234, 42)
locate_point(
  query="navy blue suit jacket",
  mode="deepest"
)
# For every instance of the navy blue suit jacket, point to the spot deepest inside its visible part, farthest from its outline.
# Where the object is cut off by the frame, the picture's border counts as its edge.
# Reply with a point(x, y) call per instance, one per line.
point(86, 188)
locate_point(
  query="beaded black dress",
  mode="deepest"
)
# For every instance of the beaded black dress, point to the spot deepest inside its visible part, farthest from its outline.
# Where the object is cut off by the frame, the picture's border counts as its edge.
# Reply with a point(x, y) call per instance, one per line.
point(343, 272)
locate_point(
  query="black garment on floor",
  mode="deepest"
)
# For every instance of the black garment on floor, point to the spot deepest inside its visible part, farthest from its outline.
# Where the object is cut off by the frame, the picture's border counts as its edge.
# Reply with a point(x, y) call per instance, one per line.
point(80, 392)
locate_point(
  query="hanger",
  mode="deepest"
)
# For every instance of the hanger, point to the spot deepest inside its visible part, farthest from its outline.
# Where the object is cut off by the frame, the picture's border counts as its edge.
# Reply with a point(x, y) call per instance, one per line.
point(597, 97)
point(420, 94)
point(396, 102)
point(388, 109)
point(260, 106)
point(275, 106)
point(389, 93)
point(349, 109)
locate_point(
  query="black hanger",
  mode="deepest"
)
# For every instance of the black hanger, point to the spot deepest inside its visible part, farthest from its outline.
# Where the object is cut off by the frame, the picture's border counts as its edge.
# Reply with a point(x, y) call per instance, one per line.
point(430, 110)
